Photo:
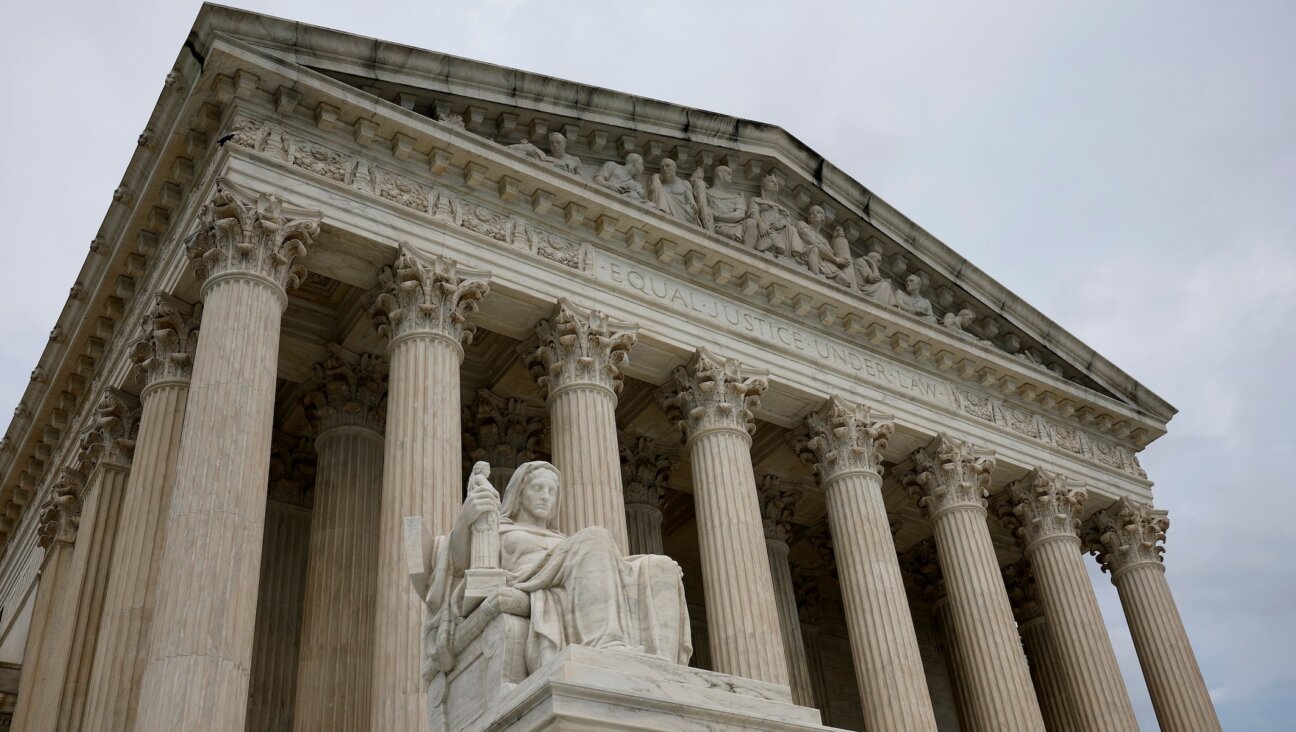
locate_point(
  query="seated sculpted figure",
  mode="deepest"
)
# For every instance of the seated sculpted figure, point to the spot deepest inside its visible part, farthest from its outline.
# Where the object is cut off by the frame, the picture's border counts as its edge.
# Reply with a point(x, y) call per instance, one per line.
point(672, 195)
point(911, 300)
point(623, 179)
point(557, 155)
point(870, 280)
point(830, 259)
point(582, 591)
point(773, 229)
point(725, 210)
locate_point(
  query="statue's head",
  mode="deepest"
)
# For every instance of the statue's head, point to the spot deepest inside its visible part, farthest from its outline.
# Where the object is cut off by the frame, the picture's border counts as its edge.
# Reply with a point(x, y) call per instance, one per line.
point(634, 163)
point(532, 495)
point(668, 169)
point(769, 185)
point(723, 176)
point(816, 216)
point(557, 143)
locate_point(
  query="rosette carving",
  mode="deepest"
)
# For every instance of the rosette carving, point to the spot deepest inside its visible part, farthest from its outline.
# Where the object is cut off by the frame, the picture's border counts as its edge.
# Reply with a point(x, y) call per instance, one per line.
point(110, 438)
point(645, 472)
point(167, 340)
point(949, 473)
point(252, 233)
point(347, 389)
point(581, 346)
point(60, 513)
point(1043, 505)
point(416, 297)
point(842, 438)
point(1127, 533)
point(714, 393)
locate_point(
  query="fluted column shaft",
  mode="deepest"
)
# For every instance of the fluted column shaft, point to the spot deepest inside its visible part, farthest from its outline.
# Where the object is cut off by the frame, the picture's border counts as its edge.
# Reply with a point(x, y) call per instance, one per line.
point(956, 661)
point(776, 551)
point(1174, 680)
point(742, 617)
point(338, 622)
point(277, 644)
point(643, 527)
point(121, 655)
point(201, 638)
point(583, 422)
point(814, 665)
point(1046, 675)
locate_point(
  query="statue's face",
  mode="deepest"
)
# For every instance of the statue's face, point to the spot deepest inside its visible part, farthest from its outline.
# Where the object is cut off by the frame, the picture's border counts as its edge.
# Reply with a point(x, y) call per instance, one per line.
point(770, 186)
point(634, 163)
point(816, 215)
point(668, 169)
point(540, 494)
point(557, 143)
point(723, 176)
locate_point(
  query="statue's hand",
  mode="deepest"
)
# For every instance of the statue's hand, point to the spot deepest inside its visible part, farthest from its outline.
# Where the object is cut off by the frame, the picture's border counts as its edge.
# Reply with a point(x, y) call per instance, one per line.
point(482, 499)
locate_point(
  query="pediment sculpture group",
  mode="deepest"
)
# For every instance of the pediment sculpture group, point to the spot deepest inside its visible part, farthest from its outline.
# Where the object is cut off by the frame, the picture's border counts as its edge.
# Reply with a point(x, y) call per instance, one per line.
point(760, 223)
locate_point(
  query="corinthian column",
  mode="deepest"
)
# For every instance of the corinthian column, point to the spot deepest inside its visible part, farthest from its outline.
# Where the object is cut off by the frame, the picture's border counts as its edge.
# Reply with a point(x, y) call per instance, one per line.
point(843, 441)
point(924, 582)
point(423, 312)
point(1128, 538)
point(503, 431)
point(245, 254)
point(645, 471)
point(578, 363)
point(712, 404)
point(950, 484)
point(346, 405)
point(163, 356)
point(777, 508)
point(1046, 674)
point(1044, 513)
point(56, 533)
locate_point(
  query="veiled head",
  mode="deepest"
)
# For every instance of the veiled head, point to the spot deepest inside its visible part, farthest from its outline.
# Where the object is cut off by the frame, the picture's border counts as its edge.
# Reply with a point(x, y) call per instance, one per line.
point(532, 494)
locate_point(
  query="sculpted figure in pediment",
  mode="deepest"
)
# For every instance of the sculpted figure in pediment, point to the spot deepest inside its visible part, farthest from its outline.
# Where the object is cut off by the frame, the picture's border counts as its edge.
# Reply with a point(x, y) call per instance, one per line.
point(673, 195)
point(961, 322)
point(623, 178)
point(773, 229)
point(724, 209)
point(557, 155)
point(829, 259)
point(870, 280)
point(580, 588)
point(911, 300)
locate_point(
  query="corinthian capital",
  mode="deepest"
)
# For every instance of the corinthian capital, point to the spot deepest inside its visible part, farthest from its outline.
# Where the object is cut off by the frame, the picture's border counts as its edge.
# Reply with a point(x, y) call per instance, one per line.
point(714, 393)
point(292, 469)
point(950, 473)
point(503, 431)
point(1020, 582)
point(1043, 505)
point(778, 506)
point(1127, 533)
point(579, 346)
point(110, 438)
point(253, 233)
point(921, 568)
point(347, 389)
point(60, 514)
point(168, 337)
point(418, 298)
point(842, 438)
point(645, 471)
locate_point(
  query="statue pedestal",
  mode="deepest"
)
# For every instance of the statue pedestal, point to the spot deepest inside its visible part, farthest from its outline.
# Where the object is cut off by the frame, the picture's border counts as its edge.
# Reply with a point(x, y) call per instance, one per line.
point(585, 688)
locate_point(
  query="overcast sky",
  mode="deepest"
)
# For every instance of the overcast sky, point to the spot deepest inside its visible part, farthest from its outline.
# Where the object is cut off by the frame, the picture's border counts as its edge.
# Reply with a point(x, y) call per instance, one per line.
point(1127, 167)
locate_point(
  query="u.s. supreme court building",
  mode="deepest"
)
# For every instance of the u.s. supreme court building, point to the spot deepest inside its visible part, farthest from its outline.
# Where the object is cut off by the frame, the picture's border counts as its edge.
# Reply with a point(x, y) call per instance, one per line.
point(338, 273)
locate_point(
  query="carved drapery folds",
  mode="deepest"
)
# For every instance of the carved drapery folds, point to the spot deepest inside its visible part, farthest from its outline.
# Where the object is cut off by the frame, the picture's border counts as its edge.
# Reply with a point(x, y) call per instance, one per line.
point(949, 473)
point(110, 437)
point(347, 389)
point(645, 472)
point(578, 346)
point(1042, 506)
point(253, 234)
point(168, 338)
point(844, 438)
point(778, 505)
point(714, 393)
point(60, 514)
point(502, 431)
point(420, 298)
point(1126, 534)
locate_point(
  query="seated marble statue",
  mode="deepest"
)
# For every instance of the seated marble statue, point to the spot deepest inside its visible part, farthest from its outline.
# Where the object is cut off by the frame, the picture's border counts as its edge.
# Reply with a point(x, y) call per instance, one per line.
point(582, 591)
point(773, 229)
point(724, 209)
point(829, 259)
point(870, 280)
point(673, 195)
point(960, 322)
point(557, 155)
point(911, 300)
point(623, 179)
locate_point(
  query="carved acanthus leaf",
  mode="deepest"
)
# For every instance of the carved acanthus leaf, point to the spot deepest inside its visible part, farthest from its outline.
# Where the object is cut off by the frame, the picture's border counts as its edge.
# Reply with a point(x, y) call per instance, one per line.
point(167, 340)
point(292, 469)
point(645, 472)
point(252, 233)
point(1020, 581)
point(714, 393)
point(503, 431)
point(842, 437)
point(581, 346)
point(921, 569)
point(778, 506)
point(60, 514)
point(1043, 505)
point(415, 297)
point(948, 473)
point(1127, 533)
point(347, 389)
point(110, 437)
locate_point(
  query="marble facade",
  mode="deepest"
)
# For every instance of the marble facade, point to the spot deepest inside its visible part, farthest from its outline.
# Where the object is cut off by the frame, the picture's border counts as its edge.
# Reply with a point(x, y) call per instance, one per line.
point(338, 273)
